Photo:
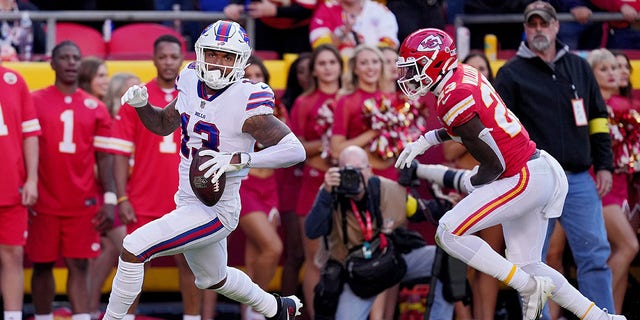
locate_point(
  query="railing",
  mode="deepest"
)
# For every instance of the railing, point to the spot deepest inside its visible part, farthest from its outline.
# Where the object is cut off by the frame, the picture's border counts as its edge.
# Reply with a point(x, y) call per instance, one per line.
point(51, 17)
point(462, 19)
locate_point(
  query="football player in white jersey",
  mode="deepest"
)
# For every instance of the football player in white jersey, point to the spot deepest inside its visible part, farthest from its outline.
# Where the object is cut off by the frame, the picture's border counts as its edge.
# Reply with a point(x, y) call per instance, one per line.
point(218, 109)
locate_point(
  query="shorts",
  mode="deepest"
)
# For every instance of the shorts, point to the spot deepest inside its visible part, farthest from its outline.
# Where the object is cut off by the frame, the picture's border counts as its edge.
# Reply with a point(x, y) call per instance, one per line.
point(619, 193)
point(142, 220)
point(52, 236)
point(313, 179)
point(13, 223)
point(258, 195)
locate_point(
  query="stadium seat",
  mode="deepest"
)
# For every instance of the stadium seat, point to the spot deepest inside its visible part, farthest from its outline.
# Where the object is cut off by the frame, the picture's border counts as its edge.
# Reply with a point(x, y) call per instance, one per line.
point(88, 39)
point(135, 41)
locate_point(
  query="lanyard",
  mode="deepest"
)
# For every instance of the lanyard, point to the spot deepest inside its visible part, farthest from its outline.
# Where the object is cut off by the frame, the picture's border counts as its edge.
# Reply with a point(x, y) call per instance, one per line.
point(367, 230)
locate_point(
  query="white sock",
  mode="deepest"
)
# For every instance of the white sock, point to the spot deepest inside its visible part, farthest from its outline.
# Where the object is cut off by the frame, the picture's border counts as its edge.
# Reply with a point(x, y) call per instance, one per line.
point(48, 316)
point(129, 316)
point(126, 286)
point(571, 299)
point(191, 317)
point(81, 316)
point(13, 315)
point(239, 287)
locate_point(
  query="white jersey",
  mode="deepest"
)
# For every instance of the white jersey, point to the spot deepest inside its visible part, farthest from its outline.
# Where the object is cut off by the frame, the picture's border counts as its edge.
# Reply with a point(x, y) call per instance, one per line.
point(216, 122)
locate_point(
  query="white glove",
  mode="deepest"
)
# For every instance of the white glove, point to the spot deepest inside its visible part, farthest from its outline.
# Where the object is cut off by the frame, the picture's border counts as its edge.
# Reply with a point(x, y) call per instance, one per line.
point(466, 180)
point(411, 151)
point(136, 96)
point(221, 163)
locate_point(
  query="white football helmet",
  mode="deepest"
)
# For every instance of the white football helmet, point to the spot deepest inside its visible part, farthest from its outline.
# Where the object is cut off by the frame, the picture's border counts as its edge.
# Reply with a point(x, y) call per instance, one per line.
point(226, 36)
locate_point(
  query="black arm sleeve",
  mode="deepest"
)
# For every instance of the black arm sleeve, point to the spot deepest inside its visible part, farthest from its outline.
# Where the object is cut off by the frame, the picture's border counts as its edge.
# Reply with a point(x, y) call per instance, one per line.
point(318, 222)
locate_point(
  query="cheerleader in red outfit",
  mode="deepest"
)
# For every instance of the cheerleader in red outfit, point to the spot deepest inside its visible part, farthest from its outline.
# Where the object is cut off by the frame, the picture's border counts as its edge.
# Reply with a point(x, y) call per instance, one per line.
point(624, 127)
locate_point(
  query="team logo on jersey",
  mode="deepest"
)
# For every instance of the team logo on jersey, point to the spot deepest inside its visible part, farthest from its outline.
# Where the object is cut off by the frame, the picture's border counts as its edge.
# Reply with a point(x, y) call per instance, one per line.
point(90, 103)
point(10, 78)
point(430, 43)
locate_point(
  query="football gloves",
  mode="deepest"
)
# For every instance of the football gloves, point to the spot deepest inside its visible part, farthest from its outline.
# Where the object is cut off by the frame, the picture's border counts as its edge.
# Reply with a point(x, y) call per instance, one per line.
point(220, 163)
point(136, 96)
point(416, 148)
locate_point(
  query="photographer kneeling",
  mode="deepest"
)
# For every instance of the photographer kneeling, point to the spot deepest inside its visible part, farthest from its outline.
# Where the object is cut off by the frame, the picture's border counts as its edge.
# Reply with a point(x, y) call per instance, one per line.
point(359, 222)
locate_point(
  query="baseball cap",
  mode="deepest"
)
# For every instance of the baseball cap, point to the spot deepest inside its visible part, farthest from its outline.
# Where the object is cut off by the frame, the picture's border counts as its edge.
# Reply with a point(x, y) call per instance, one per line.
point(541, 8)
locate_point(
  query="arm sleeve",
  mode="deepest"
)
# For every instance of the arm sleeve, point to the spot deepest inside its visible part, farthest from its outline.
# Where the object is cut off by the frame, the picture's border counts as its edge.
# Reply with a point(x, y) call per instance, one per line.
point(285, 153)
point(318, 222)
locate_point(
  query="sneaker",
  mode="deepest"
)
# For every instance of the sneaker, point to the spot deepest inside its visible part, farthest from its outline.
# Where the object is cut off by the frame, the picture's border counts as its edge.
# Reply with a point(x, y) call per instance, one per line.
point(288, 307)
point(533, 303)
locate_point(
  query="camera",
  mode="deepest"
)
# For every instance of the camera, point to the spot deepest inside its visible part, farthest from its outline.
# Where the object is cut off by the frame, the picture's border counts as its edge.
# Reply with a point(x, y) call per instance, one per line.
point(350, 181)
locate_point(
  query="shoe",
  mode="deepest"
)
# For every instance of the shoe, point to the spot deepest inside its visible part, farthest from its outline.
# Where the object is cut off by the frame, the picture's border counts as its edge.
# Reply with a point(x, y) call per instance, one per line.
point(288, 307)
point(533, 303)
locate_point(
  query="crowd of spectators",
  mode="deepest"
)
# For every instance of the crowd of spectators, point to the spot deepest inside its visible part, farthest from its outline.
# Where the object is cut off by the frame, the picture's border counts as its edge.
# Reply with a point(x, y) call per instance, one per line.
point(330, 111)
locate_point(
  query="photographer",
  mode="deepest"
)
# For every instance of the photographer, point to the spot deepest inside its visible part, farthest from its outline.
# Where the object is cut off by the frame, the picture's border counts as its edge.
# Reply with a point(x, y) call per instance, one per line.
point(358, 213)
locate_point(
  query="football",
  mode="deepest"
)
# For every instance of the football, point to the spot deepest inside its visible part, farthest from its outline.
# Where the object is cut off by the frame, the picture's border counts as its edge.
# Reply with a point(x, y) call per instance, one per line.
point(206, 191)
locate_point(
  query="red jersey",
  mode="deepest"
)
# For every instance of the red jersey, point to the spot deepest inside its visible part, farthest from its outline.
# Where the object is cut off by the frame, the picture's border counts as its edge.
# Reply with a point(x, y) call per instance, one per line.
point(304, 114)
point(348, 116)
point(615, 6)
point(154, 178)
point(467, 94)
point(17, 121)
point(74, 128)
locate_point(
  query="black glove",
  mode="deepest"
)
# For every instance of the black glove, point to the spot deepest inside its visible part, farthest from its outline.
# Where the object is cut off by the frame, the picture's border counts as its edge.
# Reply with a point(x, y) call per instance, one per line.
point(408, 176)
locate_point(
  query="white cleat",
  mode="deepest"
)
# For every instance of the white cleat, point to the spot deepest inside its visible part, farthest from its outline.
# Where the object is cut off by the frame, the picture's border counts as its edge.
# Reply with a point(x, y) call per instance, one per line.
point(533, 303)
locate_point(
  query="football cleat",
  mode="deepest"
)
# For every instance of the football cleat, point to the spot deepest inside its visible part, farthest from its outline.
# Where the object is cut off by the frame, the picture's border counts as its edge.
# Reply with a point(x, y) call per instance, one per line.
point(288, 307)
point(533, 303)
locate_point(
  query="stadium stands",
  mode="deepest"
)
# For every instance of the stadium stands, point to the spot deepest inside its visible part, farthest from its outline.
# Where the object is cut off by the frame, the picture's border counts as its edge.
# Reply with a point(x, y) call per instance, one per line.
point(88, 39)
point(135, 41)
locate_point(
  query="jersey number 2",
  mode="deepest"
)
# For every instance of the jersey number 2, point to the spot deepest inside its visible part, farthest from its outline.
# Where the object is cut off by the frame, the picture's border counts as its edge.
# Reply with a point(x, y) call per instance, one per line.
point(505, 119)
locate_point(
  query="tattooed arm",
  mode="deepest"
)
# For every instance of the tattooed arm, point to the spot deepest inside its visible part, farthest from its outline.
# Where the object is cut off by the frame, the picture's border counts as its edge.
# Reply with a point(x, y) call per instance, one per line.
point(282, 148)
point(160, 121)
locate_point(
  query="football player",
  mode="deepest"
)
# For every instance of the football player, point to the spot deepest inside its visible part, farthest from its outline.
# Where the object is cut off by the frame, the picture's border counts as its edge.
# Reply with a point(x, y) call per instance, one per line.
point(218, 109)
point(515, 184)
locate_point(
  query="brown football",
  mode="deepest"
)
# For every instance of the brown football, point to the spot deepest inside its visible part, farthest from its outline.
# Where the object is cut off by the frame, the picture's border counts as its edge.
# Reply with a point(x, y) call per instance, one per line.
point(206, 191)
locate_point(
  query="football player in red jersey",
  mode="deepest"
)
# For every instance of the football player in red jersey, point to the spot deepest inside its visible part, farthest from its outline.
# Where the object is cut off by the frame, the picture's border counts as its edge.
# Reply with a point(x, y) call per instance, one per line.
point(67, 218)
point(515, 184)
point(19, 131)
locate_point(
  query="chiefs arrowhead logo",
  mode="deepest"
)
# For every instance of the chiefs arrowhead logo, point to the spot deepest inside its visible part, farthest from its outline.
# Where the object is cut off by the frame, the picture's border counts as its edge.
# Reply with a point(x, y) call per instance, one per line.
point(430, 43)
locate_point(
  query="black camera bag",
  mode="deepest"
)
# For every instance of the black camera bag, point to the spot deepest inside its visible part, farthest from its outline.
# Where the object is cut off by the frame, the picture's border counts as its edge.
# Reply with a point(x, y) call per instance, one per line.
point(368, 277)
point(386, 266)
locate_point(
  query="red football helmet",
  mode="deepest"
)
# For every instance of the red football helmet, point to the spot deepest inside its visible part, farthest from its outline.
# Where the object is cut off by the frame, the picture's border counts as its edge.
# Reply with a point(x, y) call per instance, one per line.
point(425, 57)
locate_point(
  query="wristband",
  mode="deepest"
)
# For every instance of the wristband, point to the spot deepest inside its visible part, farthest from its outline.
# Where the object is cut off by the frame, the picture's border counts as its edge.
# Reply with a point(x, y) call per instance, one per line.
point(122, 199)
point(432, 138)
point(110, 198)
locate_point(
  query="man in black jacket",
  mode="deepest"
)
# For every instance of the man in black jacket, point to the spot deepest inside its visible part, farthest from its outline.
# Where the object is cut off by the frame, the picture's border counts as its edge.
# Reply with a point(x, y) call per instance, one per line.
point(556, 97)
